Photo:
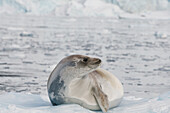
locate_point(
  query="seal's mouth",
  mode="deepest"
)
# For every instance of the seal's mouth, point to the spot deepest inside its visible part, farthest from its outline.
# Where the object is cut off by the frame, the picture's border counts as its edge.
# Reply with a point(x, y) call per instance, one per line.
point(95, 63)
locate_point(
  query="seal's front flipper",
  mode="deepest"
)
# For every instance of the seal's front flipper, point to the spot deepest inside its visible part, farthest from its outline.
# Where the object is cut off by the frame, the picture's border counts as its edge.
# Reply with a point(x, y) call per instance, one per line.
point(101, 98)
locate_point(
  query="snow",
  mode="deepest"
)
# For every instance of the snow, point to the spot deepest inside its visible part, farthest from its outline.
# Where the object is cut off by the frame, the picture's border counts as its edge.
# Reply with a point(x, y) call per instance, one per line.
point(92, 8)
point(31, 103)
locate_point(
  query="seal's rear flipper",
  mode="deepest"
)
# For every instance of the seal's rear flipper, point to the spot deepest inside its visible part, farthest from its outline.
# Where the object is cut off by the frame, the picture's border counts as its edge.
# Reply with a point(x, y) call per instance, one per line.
point(101, 98)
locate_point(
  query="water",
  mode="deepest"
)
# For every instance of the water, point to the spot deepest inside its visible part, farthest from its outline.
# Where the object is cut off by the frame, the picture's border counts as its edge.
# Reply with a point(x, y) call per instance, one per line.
point(137, 51)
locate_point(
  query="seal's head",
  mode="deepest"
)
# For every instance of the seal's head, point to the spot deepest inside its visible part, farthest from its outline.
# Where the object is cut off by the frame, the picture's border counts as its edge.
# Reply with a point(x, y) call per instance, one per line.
point(80, 64)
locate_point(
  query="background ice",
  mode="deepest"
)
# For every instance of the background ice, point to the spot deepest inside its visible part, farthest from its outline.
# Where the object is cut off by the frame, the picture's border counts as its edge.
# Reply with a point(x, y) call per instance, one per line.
point(108, 8)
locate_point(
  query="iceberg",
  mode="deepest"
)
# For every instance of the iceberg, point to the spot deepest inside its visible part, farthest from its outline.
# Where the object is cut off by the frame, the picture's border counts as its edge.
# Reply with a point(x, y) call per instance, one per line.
point(137, 6)
point(26, 103)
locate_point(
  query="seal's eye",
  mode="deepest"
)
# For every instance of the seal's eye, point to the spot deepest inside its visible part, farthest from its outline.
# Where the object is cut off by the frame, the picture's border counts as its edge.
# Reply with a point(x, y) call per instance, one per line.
point(85, 59)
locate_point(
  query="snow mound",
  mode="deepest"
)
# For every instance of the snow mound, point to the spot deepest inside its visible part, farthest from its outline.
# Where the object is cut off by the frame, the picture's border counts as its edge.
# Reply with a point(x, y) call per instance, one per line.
point(30, 103)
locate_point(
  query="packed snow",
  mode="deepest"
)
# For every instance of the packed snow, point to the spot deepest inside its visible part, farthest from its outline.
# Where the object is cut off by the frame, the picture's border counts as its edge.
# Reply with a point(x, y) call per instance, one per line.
point(92, 8)
point(29, 103)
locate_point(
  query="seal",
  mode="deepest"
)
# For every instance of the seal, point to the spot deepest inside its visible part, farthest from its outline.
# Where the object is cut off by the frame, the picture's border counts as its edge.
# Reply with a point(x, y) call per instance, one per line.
point(77, 79)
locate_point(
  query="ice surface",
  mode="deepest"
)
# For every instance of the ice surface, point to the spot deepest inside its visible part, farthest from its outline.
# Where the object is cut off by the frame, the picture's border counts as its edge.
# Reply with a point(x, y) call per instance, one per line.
point(108, 8)
point(29, 103)
point(134, 50)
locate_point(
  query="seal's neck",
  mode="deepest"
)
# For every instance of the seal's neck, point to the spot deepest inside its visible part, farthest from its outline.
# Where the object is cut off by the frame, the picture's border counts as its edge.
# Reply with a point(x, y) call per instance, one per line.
point(67, 75)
